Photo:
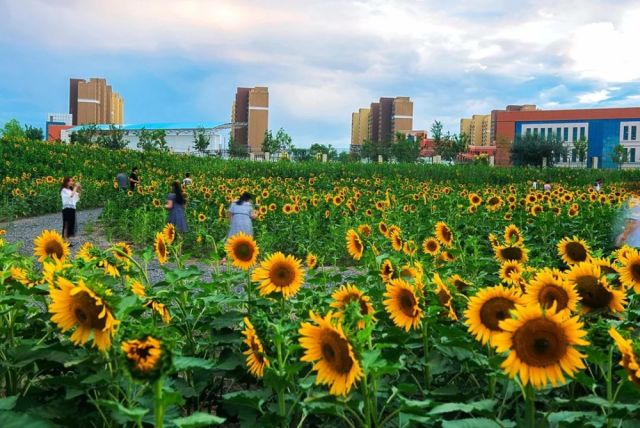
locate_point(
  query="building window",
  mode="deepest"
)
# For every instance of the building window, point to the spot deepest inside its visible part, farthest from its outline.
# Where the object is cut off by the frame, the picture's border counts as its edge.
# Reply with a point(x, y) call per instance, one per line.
point(528, 132)
point(633, 133)
point(559, 133)
point(582, 132)
point(575, 133)
point(566, 134)
point(549, 133)
point(573, 155)
point(632, 155)
point(625, 133)
point(535, 131)
point(542, 131)
point(564, 157)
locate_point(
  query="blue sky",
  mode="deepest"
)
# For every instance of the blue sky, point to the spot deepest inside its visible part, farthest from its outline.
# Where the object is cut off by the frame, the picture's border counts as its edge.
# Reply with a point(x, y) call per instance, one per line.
point(182, 60)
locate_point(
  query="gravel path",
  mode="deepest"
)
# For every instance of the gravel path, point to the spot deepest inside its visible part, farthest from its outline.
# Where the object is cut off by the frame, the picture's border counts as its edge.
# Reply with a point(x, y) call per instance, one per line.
point(25, 230)
point(89, 230)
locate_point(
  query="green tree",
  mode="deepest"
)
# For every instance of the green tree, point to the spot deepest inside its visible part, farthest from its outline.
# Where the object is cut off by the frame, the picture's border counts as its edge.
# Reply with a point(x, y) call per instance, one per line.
point(317, 150)
point(32, 133)
point(619, 155)
point(372, 149)
point(236, 150)
point(153, 140)
point(270, 144)
point(85, 136)
point(450, 146)
point(302, 155)
point(436, 132)
point(12, 130)
point(581, 148)
point(284, 141)
point(405, 150)
point(531, 149)
point(201, 140)
point(112, 139)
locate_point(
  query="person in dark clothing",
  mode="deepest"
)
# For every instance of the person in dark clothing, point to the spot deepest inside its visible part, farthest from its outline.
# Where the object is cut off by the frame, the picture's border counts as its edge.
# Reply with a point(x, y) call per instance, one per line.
point(134, 179)
point(175, 206)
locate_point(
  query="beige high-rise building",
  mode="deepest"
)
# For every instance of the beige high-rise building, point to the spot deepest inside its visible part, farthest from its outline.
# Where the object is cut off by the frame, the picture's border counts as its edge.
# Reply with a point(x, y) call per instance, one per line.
point(251, 106)
point(382, 120)
point(94, 101)
point(359, 126)
point(478, 128)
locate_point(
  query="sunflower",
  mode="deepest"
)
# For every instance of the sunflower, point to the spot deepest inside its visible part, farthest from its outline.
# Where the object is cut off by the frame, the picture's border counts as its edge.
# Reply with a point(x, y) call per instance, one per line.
point(365, 229)
point(123, 252)
point(21, 276)
point(137, 288)
point(410, 248)
point(444, 234)
point(85, 252)
point(593, 288)
point(431, 246)
point(511, 252)
point(169, 233)
point(256, 357)
point(493, 240)
point(444, 297)
point(242, 250)
point(50, 244)
point(548, 288)
point(279, 274)
point(143, 355)
point(458, 282)
point(386, 270)
point(402, 304)
point(487, 308)
point(79, 306)
point(630, 271)
point(629, 358)
point(327, 347)
point(541, 345)
point(109, 268)
point(160, 309)
point(354, 244)
point(156, 202)
point(160, 248)
point(623, 252)
point(349, 293)
point(475, 199)
point(573, 250)
point(512, 235)
point(511, 271)
point(311, 261)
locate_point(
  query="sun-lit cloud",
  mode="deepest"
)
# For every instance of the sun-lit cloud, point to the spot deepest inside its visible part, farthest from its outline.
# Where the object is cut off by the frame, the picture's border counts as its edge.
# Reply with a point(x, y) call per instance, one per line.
point(322, 59)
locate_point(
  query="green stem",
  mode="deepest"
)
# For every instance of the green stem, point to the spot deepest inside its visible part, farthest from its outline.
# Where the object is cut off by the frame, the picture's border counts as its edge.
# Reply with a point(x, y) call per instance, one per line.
point(492, 376)
point(530, 406)
point(610, 397)
point(367, 402)
point(282, 411)
point(425, 344)
point(158, 402)
point(249, 296)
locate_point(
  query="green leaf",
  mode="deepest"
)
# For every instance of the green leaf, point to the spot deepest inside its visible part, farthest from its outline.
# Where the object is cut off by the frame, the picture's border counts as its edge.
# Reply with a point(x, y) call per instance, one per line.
point(198, 419)
point(184, 363)
point(482, 405)
point(473, 423)
point(8, 403)
point(251, 399)
point(568, 417)
point(22, 420)
point(134, 415)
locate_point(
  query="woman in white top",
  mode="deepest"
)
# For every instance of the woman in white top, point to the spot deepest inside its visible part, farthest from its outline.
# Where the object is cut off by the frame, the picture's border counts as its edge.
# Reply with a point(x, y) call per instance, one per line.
point(70, 194)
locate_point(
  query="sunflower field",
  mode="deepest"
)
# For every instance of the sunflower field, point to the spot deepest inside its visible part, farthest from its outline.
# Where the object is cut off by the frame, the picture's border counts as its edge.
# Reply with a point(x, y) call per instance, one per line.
point(370, 296)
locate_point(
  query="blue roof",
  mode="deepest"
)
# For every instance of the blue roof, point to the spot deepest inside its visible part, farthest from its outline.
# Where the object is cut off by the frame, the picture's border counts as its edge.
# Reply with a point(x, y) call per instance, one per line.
point(157, 126)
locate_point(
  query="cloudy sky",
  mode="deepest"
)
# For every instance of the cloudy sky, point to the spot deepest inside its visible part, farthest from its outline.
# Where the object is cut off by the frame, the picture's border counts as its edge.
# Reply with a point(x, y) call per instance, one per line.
point(178, 60)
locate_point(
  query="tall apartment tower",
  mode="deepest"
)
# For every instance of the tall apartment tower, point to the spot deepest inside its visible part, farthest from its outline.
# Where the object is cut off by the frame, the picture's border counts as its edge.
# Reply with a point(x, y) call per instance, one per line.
point(94, 101)
point(478, 128)
point(359, 127)
point(373, 133)
point(251, 106)
point(401, 116)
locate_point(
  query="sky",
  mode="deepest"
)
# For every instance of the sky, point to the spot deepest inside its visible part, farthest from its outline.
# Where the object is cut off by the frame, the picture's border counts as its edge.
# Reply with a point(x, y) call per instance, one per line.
point(181, 60)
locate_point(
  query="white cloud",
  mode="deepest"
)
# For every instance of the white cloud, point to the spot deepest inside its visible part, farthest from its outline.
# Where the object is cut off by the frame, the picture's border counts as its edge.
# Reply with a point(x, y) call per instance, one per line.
point(594, 97)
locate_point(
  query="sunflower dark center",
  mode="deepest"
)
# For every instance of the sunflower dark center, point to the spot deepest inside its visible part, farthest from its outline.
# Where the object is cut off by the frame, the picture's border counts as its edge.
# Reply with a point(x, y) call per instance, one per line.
point(335, 351)
point(407, 303)
point(576, 251)
point(540, 342)
point(635, 271)
point(593, 293)
point(54, 248)
point(494, 311)
point(552, 293)
point(86, 311)
point(244, 251)
point(512, 253)
point(446, 234)
point(432, 246)
point(282, 276)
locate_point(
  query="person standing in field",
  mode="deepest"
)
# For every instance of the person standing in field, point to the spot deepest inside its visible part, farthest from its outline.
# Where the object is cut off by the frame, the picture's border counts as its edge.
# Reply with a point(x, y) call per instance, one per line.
point(547, 186)
point(134, 179)
point(122, 179)
point(241, 215)
point(70, 195)
point(175, 205)
point(534, 185)
point(187, 181)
